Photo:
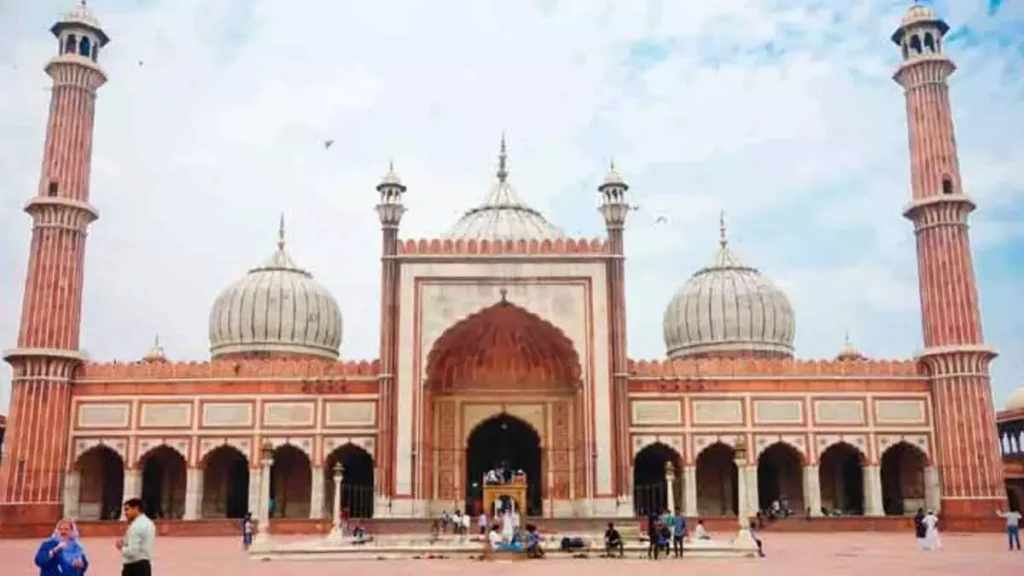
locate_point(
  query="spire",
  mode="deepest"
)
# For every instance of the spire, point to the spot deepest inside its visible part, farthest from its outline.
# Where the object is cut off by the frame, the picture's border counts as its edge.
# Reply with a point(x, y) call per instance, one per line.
point(280, 234)
point(723, 239)
point(503, 160)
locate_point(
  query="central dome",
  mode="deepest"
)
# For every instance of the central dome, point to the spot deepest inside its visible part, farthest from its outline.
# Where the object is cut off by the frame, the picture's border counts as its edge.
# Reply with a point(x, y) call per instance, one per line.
point(276, 309)
point(503, 215)
point(729, 309)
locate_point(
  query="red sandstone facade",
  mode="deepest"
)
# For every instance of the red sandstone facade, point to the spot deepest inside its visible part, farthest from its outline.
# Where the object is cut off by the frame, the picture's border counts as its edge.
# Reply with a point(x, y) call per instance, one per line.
point(485, 334)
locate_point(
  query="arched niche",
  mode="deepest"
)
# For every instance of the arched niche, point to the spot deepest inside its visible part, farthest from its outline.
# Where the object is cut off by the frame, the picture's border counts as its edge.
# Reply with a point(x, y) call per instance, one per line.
point(164, 480)
point(717, 481)
point(650, 479)
point(780, 478)
point(504, 442)
point(841, 479)
point(100, 484)
point(503, 348)
point(357, 481)
point(225, 483)
point(903, 479)
point(291, 477)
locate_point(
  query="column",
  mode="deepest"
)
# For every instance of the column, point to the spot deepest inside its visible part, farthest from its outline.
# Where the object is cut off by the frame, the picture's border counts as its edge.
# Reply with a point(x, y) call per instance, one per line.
point(337, 530)
point(72, 493)
point(316, 494)
point(670, 487)
point(690, 491)
point(193, 494)
point(753, 494)
point(873, 491)
point(812, 490)
point(932, 489)
point(255, 488)
point(263, 506)
point(132, 485)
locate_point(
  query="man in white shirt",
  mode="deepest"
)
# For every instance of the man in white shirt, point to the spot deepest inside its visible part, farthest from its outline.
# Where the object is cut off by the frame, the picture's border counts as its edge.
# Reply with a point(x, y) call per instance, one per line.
point(1013, 518)
point(137, 545)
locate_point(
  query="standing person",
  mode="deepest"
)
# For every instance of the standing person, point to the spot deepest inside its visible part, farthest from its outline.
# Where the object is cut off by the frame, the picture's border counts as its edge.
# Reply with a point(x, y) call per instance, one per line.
point(62, 554)
point(247, 528)
point(652, 534)
point(137, 545)
point(481, 522)
point(1013, 518)
point(920, 530)
point(757, 539)
point(678, 533)
point(931, 536)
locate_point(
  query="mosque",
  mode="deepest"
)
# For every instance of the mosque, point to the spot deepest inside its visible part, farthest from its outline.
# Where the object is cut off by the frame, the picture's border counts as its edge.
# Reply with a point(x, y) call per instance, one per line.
point(502, 340)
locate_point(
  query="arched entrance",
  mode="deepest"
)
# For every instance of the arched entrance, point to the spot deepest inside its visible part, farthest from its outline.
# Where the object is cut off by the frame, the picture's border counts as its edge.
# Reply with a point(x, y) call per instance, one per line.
point(650, 483)
point(508, 443)
point(780, 478)
point(356, 482)
point(903, 482)
point(503, 359)
point(717, 481)
point(101, 484)
point(290, 483)
point(841, 478)
point(225, 484)
point(164, 483)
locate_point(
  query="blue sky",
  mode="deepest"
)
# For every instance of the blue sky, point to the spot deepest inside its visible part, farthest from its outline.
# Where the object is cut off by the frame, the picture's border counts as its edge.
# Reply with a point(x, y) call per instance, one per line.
point(782, 113)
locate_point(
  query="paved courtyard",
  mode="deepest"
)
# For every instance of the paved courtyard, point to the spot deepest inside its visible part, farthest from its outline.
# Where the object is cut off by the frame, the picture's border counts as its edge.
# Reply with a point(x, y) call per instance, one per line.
point(832, 554)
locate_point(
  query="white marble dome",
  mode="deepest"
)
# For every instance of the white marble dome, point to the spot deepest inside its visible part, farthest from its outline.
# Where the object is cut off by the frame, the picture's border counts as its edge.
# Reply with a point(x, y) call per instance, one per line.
point(276, 309)
point(1016, 401)
point(729, 309)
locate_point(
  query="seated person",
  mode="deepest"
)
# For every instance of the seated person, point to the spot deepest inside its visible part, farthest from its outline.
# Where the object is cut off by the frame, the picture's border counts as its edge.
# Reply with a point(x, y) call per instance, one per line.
point(498, 544)
point(664, 539)
point(533, 547)
point(701, 533)
point(491, 477)
point(613, 541)
point(435, 531)
point(359, 535)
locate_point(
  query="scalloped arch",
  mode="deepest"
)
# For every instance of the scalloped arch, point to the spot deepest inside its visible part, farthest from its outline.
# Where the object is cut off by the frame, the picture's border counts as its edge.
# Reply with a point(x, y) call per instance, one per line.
point(84, 446)
point(841, 442)
point(788, 444)
point(884, 446)
point(206, 450)
point(657, 444)
point(161, 444)
point(503, 346)
point(303, 445)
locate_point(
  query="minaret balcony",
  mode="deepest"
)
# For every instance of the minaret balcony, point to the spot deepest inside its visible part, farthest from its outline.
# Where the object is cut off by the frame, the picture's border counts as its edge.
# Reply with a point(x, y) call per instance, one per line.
point(939, 210)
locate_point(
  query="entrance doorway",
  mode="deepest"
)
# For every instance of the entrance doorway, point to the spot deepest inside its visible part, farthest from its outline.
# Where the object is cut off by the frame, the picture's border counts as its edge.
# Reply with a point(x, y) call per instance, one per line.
point(504, 441)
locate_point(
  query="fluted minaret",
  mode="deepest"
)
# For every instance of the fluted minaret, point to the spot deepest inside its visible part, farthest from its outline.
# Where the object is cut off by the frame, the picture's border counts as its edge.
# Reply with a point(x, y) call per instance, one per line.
point(390, 210)
point(47, 353)
point(614, 209)
point(955, 354)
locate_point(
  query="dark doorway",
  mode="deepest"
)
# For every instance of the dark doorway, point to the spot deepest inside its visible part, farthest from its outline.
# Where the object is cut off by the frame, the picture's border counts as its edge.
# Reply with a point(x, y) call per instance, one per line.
point(507, 441)
point(841, 476)
point(903, 482)
point(356, 482)
point(225, 484)
point(163, 483)
point(780, 478)
point(717, 481)
point(650, 483)
point(101, 488)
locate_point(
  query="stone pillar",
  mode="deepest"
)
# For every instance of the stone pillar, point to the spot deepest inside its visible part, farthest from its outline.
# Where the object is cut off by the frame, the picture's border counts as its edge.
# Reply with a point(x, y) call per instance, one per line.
point(753, 493)
point(132, 486)
point(337, 530)
point(690, 491)
point(932, 489)
point(72, 490)
point(262, 535)
point(316, 493)
point(255, 489)
point(812, 490)
point(873, 491)
point(670, 487)
point(744, 539)
point(193, 494)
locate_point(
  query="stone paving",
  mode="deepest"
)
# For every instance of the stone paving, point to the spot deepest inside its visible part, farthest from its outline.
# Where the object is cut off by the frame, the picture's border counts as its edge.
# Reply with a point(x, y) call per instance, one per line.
point(873, 554)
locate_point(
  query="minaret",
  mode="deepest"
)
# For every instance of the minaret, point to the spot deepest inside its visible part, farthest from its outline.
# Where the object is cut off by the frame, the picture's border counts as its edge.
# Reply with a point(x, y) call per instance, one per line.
point(614, 208)
point(955, 355)
point(390, 210)
point(47, 353)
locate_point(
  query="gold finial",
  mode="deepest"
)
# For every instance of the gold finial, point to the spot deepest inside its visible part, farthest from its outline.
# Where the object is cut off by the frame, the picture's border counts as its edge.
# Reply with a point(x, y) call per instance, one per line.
point(503, 160)
point(611, 164)
point(156, 337)
point(846, 339)
point(391, 165)
point(504, 295)
point(723, 239)
point(280, 233)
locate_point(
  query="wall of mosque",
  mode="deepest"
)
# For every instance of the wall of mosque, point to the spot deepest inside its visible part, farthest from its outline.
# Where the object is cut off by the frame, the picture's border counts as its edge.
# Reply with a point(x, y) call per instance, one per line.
point(569, 292)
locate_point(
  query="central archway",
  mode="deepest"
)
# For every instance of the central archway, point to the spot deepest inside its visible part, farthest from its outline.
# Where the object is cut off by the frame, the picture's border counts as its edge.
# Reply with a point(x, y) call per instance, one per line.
point(500, 356)
point(504, 442)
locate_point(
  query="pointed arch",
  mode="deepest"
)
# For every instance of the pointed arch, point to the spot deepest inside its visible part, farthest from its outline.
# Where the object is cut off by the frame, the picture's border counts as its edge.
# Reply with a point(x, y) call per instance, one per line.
point(841, 478)
point(650, 479)
point(146, 451)
point(510, 443)
point(503, 347)
point(717, 480)
point(225, 483)
point(780, 477)
point(291, 476)
point(163, 482)
point(357, 481)
point(903, 478)
point(100, 472)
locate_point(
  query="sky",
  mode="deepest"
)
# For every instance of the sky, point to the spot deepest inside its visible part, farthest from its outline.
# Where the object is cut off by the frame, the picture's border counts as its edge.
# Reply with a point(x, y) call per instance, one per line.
point(782, 113)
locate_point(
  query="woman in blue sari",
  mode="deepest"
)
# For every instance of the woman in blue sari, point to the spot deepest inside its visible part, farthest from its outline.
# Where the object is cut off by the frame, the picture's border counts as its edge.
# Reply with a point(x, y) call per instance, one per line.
point(62, 554)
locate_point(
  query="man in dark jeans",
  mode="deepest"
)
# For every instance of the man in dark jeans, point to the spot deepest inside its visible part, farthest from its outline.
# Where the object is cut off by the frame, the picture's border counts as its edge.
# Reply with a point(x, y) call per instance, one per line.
point(652, 535)
point(678, 533)
point(613, 542)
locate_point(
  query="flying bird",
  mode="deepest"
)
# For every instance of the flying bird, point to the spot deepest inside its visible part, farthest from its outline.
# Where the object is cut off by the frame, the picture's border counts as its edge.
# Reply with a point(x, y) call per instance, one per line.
point(661, 220)
point(140, 62)
point(328, 144)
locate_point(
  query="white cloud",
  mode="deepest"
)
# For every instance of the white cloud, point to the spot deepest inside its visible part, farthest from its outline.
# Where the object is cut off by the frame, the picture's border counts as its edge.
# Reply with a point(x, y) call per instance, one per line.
point(221, 127)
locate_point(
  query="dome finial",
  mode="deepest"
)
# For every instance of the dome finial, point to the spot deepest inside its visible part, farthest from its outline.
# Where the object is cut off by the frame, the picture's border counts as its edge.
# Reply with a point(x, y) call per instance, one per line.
point(281, 233)
point(723, 239)
point(503, 160)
